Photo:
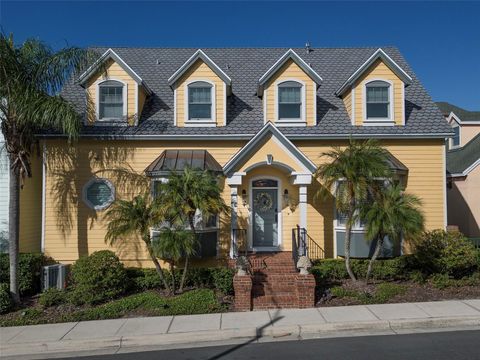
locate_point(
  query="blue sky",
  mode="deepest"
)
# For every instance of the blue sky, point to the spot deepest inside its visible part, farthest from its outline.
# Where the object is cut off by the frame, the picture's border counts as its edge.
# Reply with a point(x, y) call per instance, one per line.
point(441, 40)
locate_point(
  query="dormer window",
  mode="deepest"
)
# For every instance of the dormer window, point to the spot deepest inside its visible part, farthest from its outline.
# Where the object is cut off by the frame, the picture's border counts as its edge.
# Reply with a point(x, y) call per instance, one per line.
point(111, 100)
point(290, 101)
point(456, 138)
point(378, 100)
point(200, 102)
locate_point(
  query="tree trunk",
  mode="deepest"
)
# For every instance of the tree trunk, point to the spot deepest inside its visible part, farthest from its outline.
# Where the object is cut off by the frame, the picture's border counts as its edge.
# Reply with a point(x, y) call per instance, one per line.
point(348, 240)
point(184, 275)
point(378, 247)
point(158, 267)
point(172, 273)
point(14, 230)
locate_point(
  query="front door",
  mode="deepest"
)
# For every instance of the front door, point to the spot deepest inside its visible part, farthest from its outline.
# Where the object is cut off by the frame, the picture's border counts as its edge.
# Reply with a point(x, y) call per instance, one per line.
point(265, 213)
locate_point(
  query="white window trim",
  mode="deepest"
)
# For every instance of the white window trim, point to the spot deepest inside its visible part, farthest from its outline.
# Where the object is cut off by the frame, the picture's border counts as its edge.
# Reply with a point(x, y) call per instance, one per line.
point(456, 125)
point(110, 200)
point(202, 122)
point(290, 122)
point(279, 214)
point(390, 120)
point(125, 103)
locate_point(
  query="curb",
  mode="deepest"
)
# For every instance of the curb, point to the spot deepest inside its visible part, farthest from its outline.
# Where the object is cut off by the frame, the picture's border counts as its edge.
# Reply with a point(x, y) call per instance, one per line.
point(202, 338)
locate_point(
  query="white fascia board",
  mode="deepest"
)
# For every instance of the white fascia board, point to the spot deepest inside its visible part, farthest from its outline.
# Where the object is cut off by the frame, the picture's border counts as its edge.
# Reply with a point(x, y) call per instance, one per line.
point(269, 128)
point(459, 121)
point(110, 54)
point(467, 170)
point(290, 54)
point(199, 54)
point(379, 54)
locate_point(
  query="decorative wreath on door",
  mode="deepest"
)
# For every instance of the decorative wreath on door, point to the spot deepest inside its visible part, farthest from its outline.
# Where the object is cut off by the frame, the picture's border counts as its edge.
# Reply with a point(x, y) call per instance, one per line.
point(263, 202)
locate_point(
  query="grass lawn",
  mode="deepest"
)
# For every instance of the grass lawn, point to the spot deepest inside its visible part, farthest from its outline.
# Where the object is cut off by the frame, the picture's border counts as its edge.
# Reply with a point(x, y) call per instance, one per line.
point(149, 303)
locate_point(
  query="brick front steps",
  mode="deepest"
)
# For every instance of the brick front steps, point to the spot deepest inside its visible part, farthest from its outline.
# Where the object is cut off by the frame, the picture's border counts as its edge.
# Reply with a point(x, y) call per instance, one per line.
point(274, 283)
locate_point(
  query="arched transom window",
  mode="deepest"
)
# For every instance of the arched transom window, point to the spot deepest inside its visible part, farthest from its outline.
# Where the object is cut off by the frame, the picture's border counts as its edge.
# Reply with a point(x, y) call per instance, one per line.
point(200, 103)
point(290, 100)
point(378, 100)
point(111, 100)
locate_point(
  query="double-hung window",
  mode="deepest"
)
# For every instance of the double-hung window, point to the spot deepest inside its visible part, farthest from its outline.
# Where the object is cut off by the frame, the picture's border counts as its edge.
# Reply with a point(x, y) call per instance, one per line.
point(456, 137)
point(378, 100)
point(111, 100)
point(200, 101)
point(290, 100)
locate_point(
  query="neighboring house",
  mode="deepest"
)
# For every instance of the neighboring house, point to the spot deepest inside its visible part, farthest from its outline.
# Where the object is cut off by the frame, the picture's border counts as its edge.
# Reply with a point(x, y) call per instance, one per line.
point(260, 117)
point(463, 170)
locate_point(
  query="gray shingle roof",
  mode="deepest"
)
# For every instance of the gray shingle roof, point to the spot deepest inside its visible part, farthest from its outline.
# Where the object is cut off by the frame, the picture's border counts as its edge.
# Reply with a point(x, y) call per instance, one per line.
point(464, 115)
point(458, 160)
point(245, 111)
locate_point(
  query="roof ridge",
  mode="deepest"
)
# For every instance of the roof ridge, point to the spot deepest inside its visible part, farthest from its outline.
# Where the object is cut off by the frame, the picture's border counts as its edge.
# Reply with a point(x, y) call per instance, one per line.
point(242, 47)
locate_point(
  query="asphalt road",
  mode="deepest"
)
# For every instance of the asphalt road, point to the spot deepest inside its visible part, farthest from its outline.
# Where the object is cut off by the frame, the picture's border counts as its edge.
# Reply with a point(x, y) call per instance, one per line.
point(441, 345)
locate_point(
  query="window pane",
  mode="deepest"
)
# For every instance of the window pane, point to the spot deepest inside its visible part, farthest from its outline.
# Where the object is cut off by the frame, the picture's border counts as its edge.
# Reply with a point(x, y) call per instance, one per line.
point(377, 110)
point(265, 183)
point(289, 111)
point(111, 111)
point(99, 193)
point(456, 137)
point(200, 111)
point(111, 101)
point(199, 95)
point(289, 95)
point(377, 94)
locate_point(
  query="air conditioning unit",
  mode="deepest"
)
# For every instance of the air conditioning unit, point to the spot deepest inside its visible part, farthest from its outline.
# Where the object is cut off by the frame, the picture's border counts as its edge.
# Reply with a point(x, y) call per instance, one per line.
point(54, 276)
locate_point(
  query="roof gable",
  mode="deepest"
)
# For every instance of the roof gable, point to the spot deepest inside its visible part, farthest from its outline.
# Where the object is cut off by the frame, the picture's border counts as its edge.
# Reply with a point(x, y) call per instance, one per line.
point(269, 129)
point(199, 55)
point(111, 55)
point(289, 55)
point(379, 54)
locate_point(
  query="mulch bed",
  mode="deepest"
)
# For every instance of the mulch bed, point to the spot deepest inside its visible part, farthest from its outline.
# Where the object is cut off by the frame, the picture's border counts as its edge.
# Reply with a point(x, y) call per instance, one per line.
point(414, 292)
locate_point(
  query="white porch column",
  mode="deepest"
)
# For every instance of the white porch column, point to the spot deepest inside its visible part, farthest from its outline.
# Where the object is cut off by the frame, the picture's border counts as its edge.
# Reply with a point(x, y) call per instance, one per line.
point(234, 181)
point(302, 180)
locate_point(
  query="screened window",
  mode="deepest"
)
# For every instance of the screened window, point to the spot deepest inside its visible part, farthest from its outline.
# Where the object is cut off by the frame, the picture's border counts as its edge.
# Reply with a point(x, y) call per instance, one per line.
point(99, 194)
point(111, 100)
point(456, 137)
point(200, 101)
point(378, 100)
point(290, 100)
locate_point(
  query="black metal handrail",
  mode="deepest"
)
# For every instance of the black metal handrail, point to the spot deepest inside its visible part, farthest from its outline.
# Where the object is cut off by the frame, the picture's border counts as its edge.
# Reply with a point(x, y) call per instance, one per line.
point(304, 245)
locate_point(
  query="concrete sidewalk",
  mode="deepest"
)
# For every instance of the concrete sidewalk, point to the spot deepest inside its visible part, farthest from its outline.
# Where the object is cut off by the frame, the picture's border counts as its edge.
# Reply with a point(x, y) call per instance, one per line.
point(136, 334)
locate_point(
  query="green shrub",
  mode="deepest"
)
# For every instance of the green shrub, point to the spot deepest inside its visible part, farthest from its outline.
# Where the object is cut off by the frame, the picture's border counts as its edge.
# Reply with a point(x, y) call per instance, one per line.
point(386, 291)
point(97, 278)
point(441, 281)
point(29, 271)
point(144, 279)
point(329, 270)
point(418, 277)
point(223, 279)
point(52, 297)
point(444, 252)
point(341, 292)
point(6, 303)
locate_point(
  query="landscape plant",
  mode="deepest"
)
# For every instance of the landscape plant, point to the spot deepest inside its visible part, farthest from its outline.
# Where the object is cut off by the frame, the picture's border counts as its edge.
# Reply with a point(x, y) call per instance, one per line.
point(31, 77)
point(347, 173)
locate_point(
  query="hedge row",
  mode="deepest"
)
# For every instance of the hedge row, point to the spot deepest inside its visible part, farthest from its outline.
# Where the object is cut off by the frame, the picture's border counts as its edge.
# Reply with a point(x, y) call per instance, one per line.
point(29, 271)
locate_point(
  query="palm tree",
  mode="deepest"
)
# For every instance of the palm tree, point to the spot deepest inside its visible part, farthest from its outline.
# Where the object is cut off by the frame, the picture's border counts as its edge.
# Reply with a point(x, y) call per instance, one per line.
point(189, 195)
point(135, 217)
point(31, 77)
point(172, 244)
point(392, 214)
point(348, 173)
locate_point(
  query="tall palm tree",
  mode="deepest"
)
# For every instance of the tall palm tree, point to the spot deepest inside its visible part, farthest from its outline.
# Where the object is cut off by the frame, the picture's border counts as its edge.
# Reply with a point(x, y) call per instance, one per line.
point(172, 244)
point(348, 173)
point(31, 77)
point(135, 217)
point(392, 214)
point(188, 194)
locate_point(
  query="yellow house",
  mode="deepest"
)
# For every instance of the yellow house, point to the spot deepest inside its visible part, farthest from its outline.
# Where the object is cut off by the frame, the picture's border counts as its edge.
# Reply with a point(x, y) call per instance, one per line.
point(261, 118)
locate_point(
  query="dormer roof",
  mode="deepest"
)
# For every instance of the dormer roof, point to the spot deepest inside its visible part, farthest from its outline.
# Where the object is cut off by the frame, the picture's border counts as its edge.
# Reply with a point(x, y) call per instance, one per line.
point(199, 55)
point(289, 55)
point(379, 54)
point(111, 55)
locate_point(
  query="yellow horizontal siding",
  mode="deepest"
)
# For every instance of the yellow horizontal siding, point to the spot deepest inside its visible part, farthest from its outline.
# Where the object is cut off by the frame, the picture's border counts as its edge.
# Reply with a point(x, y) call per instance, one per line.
point(197, 72)
point(291, 71)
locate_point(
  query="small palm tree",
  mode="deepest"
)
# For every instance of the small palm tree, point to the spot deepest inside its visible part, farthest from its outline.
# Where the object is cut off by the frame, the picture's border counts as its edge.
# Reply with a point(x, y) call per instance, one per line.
point(348, 173)
point(31, 77)
point(135, 217)
point(172, 244)
point(186, 195)
point(392, 214)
